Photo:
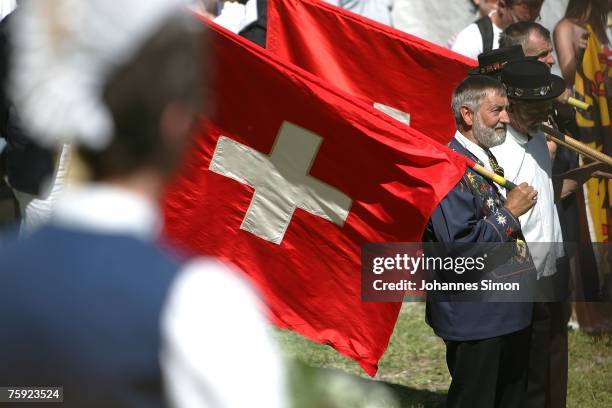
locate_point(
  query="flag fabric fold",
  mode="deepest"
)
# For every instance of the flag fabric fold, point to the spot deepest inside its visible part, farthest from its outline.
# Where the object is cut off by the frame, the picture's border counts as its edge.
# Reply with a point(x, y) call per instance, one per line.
point(379, 64)
point(288, 177)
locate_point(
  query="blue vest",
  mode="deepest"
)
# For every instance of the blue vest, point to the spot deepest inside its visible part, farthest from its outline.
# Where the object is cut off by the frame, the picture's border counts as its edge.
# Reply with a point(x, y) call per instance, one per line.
point(82, 311)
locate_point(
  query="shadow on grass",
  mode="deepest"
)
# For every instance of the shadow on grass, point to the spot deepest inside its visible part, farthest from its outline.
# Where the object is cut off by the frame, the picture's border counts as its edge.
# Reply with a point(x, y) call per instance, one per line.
point(412, 397)
point(333, 388)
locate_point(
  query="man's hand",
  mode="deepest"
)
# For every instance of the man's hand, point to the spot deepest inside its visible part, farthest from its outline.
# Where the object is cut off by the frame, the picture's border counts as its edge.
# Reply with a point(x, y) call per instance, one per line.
point(565, 96)
point(600, 174)
point(552, 149)
point(520, 199)
point(582, 39)
point(567, 183)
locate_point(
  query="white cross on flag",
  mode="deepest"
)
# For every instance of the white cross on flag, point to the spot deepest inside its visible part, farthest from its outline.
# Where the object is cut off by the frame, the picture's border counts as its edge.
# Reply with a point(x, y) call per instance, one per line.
point(281, 182)
point(289, 177)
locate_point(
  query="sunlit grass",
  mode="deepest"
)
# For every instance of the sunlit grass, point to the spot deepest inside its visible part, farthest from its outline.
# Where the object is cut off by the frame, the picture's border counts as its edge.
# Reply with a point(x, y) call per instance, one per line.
point(413, 371)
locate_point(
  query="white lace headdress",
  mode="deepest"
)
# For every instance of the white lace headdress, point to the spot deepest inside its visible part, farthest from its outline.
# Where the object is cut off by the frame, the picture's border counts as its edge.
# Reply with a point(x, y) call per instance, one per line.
point(64, 51)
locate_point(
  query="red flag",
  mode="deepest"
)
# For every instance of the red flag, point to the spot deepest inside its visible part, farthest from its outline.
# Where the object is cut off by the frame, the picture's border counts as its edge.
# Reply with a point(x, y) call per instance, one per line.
point(288, 178)
point(370, 60)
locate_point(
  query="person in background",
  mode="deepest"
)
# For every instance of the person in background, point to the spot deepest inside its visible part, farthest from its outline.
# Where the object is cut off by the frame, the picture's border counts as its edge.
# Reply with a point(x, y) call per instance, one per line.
point(94, 302)
point(483, 34)
point(533, 37)
point(536, 42)
point(484, 7)
point(248, 18)
point(35, 174)
point(572, 33)
point(378, 10)
point(526, 158)
point(549, 348)
point(583, 49)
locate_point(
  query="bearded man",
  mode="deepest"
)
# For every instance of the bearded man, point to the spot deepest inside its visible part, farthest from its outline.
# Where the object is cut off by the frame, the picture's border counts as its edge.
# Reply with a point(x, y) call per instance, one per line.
point(486, 343)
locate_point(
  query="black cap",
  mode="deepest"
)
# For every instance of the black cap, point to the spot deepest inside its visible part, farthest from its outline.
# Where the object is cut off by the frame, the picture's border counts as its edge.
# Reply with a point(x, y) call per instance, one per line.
point(491, 62)
point(531, 80)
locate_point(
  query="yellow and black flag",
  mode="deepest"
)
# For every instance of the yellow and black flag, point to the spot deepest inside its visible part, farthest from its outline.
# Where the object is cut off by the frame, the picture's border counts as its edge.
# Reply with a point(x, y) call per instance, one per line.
point(593, 85)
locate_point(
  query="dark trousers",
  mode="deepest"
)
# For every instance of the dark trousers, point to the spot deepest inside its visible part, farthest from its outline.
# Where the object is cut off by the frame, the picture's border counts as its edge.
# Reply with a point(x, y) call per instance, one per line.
point(547, 384)
point(489, 373)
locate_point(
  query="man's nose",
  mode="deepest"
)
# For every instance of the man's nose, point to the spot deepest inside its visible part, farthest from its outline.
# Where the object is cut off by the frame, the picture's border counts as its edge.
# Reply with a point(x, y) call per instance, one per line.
point(549, 59)
point(504, 117)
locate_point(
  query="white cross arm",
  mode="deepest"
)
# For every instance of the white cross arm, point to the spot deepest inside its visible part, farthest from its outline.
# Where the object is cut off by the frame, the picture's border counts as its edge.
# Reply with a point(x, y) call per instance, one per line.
point(396, 114)
point(281, 181)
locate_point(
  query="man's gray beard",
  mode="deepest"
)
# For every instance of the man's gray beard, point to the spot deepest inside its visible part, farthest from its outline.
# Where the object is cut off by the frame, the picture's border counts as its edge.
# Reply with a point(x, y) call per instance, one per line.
point(486, 136)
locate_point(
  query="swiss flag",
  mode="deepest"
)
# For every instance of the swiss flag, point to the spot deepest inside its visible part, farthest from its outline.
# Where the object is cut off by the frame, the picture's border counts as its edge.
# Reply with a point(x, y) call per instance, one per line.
point(402, 75)
point(288, 178)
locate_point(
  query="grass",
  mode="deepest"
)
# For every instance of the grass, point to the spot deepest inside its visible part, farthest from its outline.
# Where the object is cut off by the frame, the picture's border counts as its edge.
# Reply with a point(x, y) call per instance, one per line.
point(590, 371)
point(413, 371)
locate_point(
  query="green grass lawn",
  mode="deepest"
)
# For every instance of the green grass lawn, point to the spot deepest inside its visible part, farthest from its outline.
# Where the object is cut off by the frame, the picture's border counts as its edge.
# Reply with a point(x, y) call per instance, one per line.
point(413, 371)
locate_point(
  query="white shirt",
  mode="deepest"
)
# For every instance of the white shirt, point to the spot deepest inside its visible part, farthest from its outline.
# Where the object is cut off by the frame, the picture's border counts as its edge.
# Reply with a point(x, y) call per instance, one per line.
point(378, 10)
point(528, 161)
point(476, 150)
point(36, 210)
point(216, 351)
point(469, 41)
point(235, 16)
point(6, 7)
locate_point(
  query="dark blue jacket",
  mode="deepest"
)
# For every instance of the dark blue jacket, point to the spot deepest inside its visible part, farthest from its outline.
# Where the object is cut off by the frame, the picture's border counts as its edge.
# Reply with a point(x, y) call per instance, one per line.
point(473, 212)
point(82, 311)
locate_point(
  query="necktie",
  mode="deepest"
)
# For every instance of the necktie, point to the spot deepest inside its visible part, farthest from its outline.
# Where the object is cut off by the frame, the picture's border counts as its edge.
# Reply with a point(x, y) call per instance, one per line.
point(494, 165)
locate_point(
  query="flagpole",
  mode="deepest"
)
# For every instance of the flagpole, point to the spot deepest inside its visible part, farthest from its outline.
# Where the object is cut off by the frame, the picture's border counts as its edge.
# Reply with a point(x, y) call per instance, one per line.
point(496, 178)
point(575, 145)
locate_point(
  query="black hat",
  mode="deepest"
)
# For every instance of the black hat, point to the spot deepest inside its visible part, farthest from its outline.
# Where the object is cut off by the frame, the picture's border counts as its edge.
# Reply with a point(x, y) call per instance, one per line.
point(531, 80)
point(491, 62)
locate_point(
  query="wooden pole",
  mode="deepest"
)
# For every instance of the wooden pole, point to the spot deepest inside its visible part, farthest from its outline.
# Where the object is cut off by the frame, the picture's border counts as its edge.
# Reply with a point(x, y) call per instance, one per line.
point(575, 145)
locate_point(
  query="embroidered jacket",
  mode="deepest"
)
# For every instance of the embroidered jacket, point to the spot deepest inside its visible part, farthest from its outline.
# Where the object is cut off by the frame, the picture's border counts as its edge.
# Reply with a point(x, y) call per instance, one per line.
point(473, 213)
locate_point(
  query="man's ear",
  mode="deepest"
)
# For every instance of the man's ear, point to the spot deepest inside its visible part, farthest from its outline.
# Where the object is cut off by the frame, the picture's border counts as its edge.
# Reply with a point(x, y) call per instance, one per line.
point(501, 4)
point(467, 115)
